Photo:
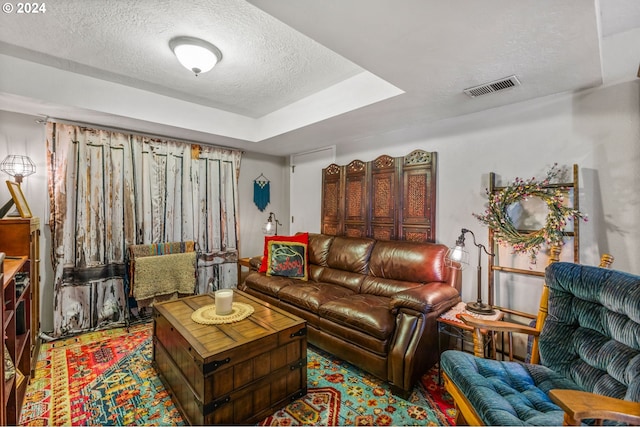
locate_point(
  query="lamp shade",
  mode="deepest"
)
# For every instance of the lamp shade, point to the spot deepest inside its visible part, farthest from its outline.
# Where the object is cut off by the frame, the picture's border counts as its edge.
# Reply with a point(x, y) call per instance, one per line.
point(18, 166)
point(270, 227)
point(457, 257)
point(194, 54)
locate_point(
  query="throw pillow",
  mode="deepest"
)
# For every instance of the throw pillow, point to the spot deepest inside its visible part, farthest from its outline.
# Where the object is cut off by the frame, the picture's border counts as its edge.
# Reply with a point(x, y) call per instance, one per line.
point(298, 238)
point(288, 259)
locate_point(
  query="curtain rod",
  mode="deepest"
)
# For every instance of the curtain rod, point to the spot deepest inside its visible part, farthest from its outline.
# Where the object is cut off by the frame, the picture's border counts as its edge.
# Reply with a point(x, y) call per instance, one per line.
point(116, 129)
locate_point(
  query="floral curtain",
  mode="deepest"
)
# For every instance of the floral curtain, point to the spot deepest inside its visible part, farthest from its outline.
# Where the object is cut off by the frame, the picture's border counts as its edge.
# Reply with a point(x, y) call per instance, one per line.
point(109, 190)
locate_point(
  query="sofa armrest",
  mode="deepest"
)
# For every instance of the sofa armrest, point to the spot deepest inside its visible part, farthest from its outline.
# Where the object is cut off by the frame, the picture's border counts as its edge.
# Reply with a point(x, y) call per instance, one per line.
point(255, 262)
point(425, 298)
point(455, 278)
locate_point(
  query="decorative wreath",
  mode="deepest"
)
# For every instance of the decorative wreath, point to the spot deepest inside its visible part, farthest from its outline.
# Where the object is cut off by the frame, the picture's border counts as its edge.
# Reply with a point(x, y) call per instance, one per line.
point(497, 218)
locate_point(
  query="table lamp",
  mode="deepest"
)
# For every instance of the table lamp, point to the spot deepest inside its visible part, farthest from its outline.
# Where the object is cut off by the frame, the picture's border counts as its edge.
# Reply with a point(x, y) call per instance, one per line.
point(457, 257)
point(18, 167)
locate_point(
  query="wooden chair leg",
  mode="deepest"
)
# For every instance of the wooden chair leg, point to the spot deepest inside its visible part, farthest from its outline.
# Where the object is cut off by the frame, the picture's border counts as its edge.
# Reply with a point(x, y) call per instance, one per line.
point(460, 421)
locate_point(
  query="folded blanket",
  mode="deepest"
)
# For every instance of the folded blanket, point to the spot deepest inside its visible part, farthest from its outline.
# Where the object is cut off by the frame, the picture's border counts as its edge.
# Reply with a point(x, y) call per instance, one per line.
point(153, 249)
point(165, 274)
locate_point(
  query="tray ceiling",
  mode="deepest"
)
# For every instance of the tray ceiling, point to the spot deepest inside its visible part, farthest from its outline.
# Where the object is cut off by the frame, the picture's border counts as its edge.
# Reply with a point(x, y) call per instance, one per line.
point(296, 75)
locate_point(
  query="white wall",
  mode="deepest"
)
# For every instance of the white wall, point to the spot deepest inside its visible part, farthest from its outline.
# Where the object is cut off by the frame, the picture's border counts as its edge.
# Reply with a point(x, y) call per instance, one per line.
point(251, 218)
point(20, 134)
point(598, 129)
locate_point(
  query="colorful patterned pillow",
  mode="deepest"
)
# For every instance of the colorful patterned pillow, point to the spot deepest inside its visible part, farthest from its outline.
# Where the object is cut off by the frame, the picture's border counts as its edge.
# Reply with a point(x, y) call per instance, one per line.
point(298, 238)
point(288, 259)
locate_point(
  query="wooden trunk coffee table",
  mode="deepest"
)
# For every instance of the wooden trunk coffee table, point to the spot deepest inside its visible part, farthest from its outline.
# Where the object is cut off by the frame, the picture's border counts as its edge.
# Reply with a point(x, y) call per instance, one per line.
point(235, 373)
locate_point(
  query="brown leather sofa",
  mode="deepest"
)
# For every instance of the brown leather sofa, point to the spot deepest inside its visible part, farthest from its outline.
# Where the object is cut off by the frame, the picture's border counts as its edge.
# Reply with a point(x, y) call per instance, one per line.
point(371, 303)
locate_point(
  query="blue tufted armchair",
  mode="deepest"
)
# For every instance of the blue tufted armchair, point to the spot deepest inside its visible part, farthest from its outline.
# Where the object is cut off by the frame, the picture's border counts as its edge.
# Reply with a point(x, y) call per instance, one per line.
point(589, 348)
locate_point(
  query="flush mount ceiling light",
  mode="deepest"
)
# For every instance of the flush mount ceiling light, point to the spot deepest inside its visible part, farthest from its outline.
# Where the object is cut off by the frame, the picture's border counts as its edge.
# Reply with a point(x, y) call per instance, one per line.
point(194, 54)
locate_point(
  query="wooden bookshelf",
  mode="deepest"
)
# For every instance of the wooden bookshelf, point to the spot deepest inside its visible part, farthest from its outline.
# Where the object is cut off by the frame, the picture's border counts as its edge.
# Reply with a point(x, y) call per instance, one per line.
point(20, 242)
point(16, 361)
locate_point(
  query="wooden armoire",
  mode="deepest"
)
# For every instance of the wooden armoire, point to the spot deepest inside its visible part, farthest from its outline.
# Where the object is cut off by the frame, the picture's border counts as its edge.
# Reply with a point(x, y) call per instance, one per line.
point(389, 198)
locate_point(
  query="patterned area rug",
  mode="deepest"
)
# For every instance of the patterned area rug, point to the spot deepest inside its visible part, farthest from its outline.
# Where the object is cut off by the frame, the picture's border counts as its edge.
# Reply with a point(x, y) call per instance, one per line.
point(98, 378)
point(106, 378)
point(341, 394)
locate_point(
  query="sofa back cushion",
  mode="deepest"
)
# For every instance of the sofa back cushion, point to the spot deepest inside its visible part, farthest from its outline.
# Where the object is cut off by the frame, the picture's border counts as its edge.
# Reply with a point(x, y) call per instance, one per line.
point(347, 262)
point(319, 245)
point(385, 287)
point(592, 332)
point(350, 254)
point(409, 261)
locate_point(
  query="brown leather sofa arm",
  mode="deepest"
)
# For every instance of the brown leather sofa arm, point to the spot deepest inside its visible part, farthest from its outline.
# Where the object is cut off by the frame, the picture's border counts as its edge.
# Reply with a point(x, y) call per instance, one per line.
point(255, 262)
point(580, 405)
point(426, 298)
point(455, 279)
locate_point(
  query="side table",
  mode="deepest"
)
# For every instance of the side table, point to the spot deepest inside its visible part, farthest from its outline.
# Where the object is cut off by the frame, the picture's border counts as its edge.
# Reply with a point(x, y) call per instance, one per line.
point(449, 324)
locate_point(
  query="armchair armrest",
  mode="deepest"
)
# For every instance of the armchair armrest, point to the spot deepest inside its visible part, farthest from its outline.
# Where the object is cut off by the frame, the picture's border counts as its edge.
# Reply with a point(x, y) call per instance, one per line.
point(425, 298)
point(516, 312)
point(498, 325)
point(580, 405)
point(481, 326)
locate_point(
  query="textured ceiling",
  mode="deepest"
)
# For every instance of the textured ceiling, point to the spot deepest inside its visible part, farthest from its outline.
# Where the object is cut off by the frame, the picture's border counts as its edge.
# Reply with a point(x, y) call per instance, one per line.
point(266, 65)
point(299, 74)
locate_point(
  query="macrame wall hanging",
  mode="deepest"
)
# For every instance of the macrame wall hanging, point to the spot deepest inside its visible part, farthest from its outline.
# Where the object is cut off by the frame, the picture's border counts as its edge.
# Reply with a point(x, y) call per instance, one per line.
point(261, 192)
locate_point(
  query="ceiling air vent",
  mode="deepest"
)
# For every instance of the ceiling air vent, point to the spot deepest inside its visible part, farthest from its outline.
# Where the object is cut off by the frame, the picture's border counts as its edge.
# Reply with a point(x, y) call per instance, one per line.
point(494, 86)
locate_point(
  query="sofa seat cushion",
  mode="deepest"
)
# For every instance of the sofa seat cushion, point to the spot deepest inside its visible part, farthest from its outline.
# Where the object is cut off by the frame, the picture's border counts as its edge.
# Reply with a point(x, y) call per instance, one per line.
point(312, 295)
point(270, 285)
point(506, 393)
point(352, 335)
point(364, 312)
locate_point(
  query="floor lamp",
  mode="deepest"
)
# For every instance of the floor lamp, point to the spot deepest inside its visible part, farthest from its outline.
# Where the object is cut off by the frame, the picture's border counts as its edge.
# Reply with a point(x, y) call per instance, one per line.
point(271, 226)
